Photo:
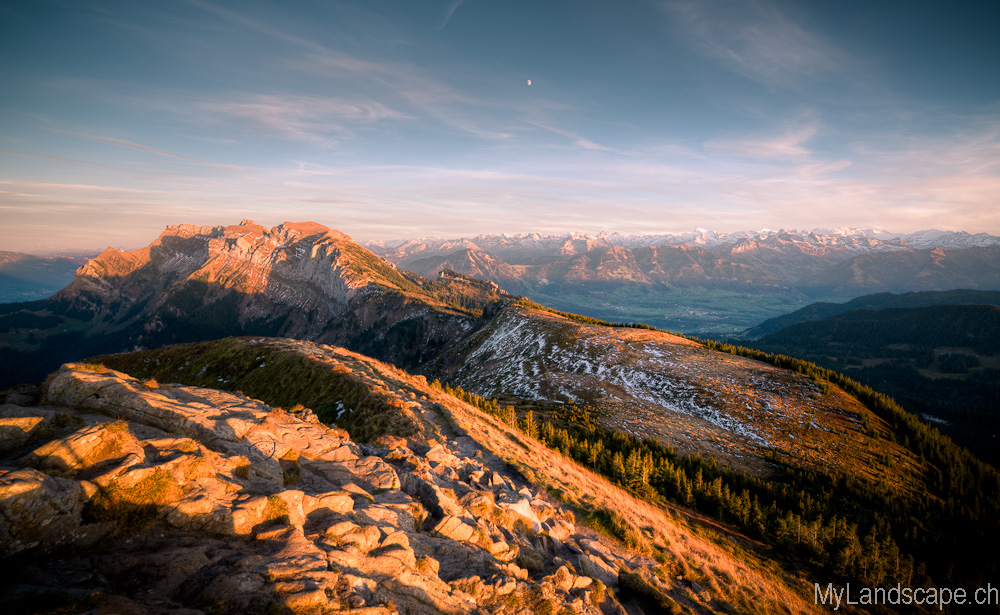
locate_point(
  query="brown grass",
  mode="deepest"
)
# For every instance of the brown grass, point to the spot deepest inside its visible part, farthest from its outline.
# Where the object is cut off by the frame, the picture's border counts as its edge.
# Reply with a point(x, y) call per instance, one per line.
point(276, 512)
point(133, 508)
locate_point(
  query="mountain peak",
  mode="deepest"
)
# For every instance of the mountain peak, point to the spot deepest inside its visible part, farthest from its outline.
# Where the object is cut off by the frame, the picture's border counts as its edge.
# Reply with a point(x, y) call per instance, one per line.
point(307, 229)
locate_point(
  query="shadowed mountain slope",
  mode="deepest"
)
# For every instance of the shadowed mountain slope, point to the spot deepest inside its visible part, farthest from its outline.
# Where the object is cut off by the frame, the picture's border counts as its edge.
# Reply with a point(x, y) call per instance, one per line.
point(940, 361)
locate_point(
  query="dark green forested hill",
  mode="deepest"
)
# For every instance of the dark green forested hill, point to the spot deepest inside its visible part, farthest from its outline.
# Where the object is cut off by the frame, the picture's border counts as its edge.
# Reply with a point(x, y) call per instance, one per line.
point(879, 301)
point(868, 332)
point(941, 362)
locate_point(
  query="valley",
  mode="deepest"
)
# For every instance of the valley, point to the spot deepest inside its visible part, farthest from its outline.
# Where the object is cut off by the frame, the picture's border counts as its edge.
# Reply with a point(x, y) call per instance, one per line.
point(26, 277)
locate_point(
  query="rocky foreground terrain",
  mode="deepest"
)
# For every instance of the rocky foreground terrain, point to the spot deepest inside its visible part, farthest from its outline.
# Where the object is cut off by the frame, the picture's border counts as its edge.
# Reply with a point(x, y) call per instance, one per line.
point(119, 495)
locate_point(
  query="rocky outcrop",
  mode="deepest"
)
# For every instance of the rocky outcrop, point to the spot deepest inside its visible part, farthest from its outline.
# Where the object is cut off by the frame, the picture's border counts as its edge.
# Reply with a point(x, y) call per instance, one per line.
point(41, 512)
point(195, 498)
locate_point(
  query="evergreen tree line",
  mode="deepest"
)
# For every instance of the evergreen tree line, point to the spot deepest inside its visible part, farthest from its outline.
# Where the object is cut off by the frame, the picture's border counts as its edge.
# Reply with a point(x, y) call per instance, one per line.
point(524, 301)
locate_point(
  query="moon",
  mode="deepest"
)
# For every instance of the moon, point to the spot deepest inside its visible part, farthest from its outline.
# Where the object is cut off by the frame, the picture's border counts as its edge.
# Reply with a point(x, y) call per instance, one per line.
point(529, 81)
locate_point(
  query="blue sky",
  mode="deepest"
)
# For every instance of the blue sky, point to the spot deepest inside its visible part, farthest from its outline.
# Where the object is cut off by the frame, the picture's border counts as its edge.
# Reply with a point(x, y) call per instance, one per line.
point(391, 119)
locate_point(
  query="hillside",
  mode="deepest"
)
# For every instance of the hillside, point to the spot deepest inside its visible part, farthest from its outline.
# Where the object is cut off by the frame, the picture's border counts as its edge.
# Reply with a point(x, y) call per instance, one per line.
point(837, 507)
point(226, 504)
point(672, 390)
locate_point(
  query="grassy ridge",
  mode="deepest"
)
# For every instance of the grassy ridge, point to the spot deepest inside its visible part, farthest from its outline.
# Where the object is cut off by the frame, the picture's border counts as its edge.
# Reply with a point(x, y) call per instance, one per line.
point(956, 467)
point(275, 373)
point(953, 529)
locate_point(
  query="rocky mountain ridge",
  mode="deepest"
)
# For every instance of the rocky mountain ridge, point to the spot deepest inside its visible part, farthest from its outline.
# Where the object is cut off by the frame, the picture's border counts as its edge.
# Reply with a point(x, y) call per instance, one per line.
point(193, 283)
point(789, 256)
point(536, 245)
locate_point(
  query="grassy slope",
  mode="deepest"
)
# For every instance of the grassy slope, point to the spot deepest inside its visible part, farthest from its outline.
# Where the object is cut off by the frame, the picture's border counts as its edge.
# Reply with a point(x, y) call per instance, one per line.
point(780, 405)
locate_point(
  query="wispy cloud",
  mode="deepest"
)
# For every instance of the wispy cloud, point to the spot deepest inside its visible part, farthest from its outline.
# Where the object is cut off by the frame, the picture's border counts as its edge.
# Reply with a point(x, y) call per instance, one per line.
point(756, 40)
point(54, 157)
point(579, 141)
point(37, 188)
point(124, 143)
point(145, 148)
point(397, 85)
point(788, 145)
point(423, 97)
point(447, 13)
point(300, 118)
point(244, 20)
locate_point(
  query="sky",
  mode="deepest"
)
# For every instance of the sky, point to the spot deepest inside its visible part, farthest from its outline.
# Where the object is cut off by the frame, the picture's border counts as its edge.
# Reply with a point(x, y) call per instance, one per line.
point(395, 119)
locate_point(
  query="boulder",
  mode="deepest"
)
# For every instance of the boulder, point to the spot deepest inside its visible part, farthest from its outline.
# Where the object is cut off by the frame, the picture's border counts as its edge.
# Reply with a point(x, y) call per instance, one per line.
point(520, 508)
point(559, 529)
point(16, 431)
point(41, 512)
point(595, 567)
point(85, 448)
point(454, 528)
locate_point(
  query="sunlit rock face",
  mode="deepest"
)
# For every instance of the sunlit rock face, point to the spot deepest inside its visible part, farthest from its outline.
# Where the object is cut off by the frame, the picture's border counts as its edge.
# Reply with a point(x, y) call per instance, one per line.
point(225, 502)
point(305, 265)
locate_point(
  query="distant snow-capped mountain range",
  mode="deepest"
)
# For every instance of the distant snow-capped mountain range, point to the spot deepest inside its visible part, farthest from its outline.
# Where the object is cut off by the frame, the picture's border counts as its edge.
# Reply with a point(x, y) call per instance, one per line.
point(792, 264)
point(864, 240)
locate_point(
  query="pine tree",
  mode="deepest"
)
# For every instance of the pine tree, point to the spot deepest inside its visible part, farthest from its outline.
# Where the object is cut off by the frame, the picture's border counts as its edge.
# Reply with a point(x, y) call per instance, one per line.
point(509, 416)
point(633, 469)
point(618, 466)
point(594, 453)
point(528, 425)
